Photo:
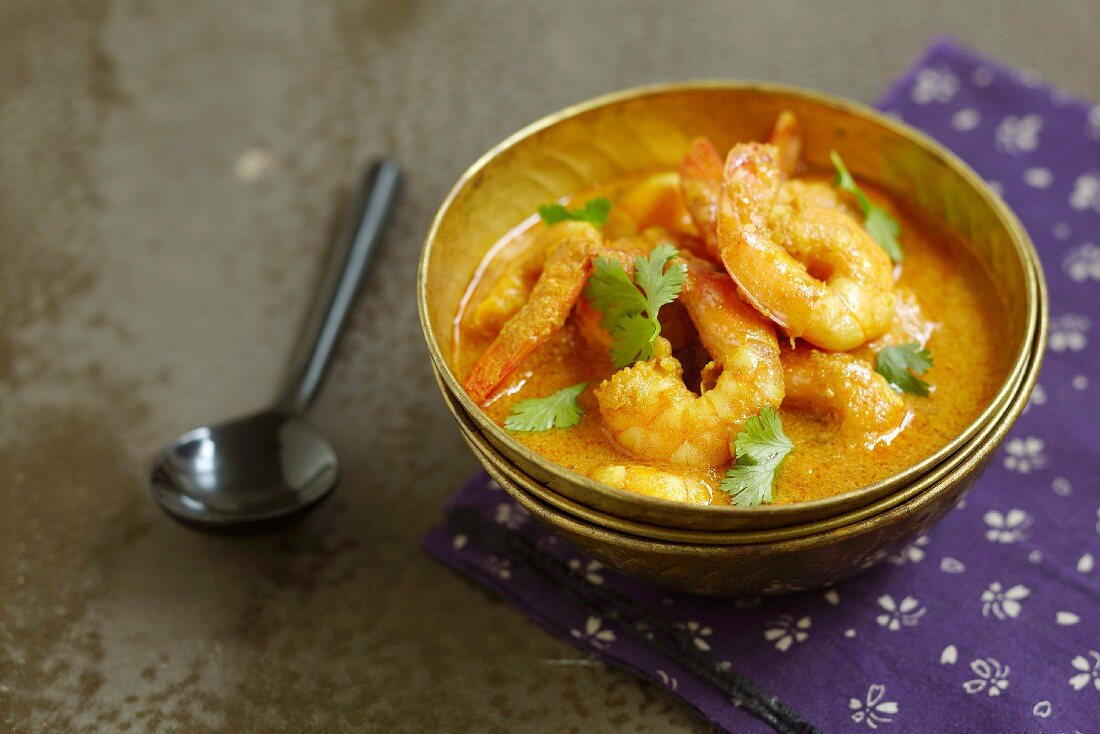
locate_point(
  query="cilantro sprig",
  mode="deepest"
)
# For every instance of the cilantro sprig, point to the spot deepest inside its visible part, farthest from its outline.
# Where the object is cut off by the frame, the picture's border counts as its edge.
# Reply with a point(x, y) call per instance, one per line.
point(901, 364)
point(594, 212)
point(630, 307)
point(877, 221)
point(760, 449)
point(559, 410)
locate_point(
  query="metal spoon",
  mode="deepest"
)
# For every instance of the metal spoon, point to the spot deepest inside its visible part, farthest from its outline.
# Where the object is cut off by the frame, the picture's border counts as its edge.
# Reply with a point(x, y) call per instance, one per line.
point(272, 465)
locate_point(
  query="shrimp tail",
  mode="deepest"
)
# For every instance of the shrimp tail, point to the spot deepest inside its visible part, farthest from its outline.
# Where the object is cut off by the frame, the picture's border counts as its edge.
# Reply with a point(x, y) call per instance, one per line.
point(787, 138)
point(701, 183)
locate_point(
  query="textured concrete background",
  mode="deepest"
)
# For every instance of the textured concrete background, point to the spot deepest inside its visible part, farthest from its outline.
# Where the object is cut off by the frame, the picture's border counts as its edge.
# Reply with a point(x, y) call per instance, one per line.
point(168, 179)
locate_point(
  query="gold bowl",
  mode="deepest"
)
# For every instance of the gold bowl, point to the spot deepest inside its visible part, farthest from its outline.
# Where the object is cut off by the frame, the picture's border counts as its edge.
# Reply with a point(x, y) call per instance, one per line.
point(646, 130)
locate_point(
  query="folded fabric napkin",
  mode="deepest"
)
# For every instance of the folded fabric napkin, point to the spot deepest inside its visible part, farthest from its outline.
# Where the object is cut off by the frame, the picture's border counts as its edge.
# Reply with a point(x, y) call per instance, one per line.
point(991, 622)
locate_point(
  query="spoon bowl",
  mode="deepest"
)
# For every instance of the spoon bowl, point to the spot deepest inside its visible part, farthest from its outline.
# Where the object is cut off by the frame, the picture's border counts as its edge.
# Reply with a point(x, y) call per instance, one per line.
point(252, 470)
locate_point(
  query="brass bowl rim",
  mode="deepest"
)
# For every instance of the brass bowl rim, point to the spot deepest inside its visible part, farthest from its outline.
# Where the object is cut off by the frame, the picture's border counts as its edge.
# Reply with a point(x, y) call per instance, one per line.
point(1024, 248)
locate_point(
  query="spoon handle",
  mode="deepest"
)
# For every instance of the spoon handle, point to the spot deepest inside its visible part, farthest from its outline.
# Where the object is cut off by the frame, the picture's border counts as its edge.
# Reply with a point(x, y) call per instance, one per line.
point(368, 215)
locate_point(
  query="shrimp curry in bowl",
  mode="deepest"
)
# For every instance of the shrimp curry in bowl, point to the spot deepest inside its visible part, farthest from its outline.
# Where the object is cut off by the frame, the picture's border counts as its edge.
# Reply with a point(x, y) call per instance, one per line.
point(741, 329)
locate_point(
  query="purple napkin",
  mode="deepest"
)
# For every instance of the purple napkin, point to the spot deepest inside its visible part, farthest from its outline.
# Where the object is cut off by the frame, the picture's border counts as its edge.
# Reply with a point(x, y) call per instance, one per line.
point(987, 624)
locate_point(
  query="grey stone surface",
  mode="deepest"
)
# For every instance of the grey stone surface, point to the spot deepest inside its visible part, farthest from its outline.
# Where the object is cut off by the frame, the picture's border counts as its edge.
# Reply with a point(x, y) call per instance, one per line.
point(169, 173)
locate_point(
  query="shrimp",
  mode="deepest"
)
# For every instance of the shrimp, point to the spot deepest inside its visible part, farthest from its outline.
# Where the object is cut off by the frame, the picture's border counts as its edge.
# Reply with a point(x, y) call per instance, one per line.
point(655, 201)
point(654, 483)
point(701, 175)
point(909, 326)
point(810, 267)
point(846, 389)
point(572, 247)
point(654, 416)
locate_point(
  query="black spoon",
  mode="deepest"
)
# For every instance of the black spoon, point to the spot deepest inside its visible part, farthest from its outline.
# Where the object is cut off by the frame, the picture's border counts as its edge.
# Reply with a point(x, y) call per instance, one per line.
point(255, 471)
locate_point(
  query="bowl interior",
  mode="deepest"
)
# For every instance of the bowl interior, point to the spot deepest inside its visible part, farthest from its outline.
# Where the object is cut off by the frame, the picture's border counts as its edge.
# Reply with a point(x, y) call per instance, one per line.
point(649, 129)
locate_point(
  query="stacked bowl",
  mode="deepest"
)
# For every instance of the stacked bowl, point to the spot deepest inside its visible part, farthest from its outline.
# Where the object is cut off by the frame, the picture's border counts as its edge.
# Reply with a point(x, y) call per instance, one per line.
point(725, 550)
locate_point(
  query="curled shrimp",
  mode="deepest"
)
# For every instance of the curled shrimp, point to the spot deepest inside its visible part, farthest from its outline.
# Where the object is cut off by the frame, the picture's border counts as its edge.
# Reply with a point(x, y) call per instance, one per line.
point(568, 264)
point(846, 389)
point(811, 267)
point(653, 415)
point(654, 483)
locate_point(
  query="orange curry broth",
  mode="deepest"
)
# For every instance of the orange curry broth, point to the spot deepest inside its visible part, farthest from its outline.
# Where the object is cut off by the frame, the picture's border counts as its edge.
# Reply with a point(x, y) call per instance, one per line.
point(952, 286)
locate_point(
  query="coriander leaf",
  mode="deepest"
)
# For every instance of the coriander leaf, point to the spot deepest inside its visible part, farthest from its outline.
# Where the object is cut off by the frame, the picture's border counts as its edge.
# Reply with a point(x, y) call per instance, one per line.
point(760, 448)
point(885, 229)
point(554, 213)
point(612, 292)
point(632, 339)
point(597, 210)
point(900, 364)
point(748, 484)
point(629, 307)
point(877, 221)
point(559, 410)
point(845, 182)
point(660, 286)
point(594, 212)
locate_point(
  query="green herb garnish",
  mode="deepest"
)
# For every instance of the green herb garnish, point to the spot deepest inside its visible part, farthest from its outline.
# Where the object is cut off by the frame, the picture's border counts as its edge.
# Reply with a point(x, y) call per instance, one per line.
point(630, 307)
point(877, 221)
point(760, 448)
point(594, 212)
point(559, 410)
point(901, 364)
